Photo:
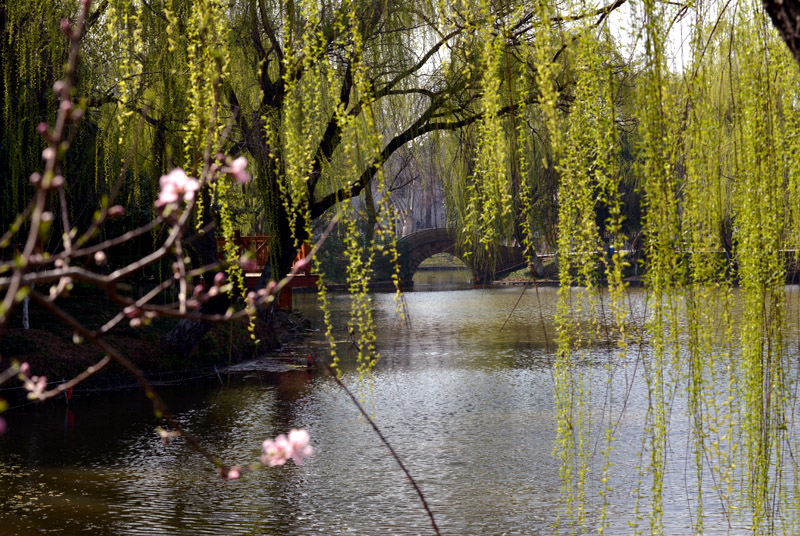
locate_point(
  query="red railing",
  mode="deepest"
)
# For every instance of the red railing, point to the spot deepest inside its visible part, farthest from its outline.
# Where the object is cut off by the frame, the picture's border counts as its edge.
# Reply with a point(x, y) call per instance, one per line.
point(256, 244)
point(259, 246)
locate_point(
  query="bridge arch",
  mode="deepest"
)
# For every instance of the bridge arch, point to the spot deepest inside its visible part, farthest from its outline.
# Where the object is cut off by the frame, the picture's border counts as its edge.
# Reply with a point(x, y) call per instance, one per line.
point(414, 248)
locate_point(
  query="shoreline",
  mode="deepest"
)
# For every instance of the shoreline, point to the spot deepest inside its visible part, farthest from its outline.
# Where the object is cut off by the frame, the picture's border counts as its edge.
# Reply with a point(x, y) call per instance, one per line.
point(50, 351)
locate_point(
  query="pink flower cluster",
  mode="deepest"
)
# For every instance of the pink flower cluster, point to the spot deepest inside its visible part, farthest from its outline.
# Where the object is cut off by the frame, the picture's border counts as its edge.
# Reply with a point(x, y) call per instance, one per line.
point(295, 446)
point(237, 170)
point(35, 385)
point(174, 185)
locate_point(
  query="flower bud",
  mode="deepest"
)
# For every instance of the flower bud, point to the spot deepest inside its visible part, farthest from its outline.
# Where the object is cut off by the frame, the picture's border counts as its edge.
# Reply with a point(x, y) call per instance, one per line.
point(219, 279)
point(100, 258)
point(132, 311)
point(116, 211)
point(300, 265)
point(247, 264)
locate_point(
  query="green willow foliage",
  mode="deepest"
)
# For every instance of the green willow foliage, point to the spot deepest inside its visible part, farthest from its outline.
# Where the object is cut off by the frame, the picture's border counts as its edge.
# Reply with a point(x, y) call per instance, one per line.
point(551, 121)
point(31, 51)
point(716, 162)
point(716, 152)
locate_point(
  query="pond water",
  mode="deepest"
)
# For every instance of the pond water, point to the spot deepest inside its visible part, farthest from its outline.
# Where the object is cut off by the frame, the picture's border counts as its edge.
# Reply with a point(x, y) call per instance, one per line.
point(467, 406)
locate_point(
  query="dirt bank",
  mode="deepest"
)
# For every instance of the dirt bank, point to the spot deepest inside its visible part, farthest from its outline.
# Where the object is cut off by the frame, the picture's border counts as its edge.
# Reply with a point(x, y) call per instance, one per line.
point(48, 346)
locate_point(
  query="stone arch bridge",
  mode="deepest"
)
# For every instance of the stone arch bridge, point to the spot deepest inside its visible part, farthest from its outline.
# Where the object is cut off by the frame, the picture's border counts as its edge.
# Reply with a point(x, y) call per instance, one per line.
point(418, 246)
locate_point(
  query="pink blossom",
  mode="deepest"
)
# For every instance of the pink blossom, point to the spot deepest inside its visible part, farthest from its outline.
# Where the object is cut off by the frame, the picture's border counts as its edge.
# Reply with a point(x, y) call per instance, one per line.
point(275, 451)
point(300, 449)
point(198, 290)
point(132, 311)
point(234, 472)
point(237, 170)
point(116, 211)
point(40, 383)
point(175, 184)
point(248, 265)
point(301, 264)
point(36, 386)
point(279, 450)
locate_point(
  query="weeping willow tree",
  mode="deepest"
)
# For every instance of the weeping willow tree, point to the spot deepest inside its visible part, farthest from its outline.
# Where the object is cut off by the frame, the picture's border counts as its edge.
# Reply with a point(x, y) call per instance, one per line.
point(552, 121)
point(716, 166)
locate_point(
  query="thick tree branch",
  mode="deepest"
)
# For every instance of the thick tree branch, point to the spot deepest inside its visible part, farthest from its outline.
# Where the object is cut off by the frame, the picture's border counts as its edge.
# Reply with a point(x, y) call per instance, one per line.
point(332, 136)
point(273, 39)
point(419, 128)
point(417, 66)
point(333, 132)
point(95, 15)
point(785, 15)
point(413, 91)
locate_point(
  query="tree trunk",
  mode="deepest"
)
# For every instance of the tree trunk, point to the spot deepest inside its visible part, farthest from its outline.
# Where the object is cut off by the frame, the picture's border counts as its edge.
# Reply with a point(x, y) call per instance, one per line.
point(184, 337)
point(785, 17)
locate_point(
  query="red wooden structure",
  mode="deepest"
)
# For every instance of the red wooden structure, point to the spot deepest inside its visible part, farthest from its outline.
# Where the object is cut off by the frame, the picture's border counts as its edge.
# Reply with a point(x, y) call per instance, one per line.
point(259, 246)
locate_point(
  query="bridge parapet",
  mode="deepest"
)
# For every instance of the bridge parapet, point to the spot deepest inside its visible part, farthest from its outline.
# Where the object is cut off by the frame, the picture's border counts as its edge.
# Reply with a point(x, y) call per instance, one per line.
point(414, 248)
